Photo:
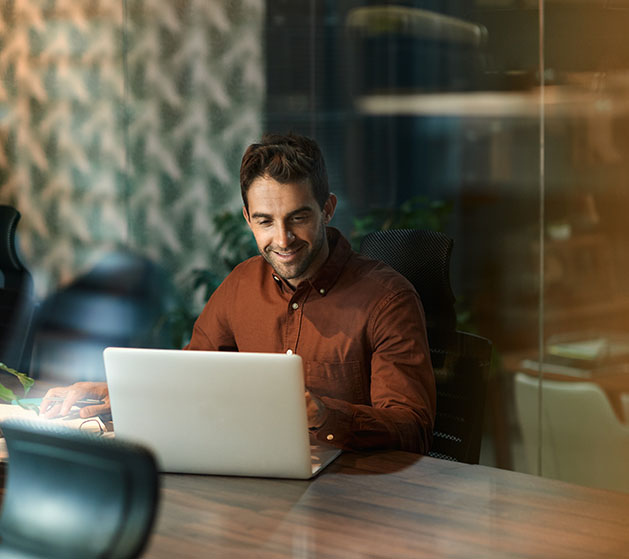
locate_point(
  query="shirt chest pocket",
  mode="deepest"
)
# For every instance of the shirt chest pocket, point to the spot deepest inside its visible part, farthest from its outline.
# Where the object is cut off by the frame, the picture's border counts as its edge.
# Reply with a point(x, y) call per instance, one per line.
point(344, 381)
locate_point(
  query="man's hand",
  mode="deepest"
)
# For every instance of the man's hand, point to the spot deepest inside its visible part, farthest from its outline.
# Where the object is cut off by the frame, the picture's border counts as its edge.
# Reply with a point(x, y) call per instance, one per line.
point(315, 410)
point(59, 401)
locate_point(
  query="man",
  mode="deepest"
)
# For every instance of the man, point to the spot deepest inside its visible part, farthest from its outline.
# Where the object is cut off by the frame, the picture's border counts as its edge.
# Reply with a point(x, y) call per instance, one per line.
point(357, 324)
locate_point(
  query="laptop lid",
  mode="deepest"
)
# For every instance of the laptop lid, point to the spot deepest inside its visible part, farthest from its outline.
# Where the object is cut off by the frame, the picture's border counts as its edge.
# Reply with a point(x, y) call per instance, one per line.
point(211, 412)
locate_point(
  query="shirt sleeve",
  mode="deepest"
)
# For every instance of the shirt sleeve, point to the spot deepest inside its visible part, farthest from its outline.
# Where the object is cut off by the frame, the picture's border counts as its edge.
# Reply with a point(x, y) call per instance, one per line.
point(212, 330)
point(403, 393)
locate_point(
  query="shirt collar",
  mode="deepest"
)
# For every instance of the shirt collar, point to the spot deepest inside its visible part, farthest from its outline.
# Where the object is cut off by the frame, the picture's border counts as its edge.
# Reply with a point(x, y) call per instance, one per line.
point(340, 252)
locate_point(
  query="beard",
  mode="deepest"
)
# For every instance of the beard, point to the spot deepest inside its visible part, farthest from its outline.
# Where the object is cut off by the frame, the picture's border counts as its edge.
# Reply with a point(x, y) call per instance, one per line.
point(305, 255)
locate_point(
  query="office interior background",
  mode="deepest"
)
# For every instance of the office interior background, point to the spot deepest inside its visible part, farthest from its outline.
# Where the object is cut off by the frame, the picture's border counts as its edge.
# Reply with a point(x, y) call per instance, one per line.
point(503, 123)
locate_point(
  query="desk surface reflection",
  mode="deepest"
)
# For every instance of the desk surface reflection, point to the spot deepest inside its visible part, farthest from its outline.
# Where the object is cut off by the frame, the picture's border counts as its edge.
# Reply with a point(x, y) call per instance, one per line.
point(389, 505)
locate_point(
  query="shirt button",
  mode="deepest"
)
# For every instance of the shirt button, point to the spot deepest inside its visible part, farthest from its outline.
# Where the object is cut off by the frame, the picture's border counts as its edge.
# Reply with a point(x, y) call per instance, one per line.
point(330, 437)
point(322, 291)
point(295, 306)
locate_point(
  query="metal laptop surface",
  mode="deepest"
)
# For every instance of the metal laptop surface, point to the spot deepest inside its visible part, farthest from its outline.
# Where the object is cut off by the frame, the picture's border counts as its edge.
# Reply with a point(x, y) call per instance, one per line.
point(208, 412)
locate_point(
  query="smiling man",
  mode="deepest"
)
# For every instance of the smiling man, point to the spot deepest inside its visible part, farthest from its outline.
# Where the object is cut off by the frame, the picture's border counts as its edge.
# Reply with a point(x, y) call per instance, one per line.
point(356, 323)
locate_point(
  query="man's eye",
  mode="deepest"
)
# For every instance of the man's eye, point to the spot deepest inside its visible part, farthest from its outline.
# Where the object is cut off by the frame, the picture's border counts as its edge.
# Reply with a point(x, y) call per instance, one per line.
point(299, 218)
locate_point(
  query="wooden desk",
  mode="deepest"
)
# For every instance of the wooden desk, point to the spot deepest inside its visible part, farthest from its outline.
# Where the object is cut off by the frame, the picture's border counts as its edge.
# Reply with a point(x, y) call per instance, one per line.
point(389, 505)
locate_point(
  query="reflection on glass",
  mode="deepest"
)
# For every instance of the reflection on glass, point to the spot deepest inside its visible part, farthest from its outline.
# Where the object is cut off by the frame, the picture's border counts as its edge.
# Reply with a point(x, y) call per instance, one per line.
point(122, 125)
point(443, 101)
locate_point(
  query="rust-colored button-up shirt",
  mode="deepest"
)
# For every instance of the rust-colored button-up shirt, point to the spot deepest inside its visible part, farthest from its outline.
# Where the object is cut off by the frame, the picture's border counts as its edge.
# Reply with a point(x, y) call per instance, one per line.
point(359, 328)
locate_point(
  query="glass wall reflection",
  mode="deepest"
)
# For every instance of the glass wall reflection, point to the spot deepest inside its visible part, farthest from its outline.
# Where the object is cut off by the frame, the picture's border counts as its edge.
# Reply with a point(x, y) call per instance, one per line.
point(123, 123)
point(436, 113)
point(584, 396)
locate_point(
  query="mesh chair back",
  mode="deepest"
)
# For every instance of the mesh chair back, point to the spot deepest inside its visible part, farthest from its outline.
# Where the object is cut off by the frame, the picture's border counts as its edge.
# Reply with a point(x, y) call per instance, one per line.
point(461, 361)
point(71, 494)
point(17, 302)
point(422, 257)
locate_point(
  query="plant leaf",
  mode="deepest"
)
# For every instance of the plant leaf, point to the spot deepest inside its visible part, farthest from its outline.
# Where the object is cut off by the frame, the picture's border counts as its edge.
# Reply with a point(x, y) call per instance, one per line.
point(24, 379)
point(7, 394)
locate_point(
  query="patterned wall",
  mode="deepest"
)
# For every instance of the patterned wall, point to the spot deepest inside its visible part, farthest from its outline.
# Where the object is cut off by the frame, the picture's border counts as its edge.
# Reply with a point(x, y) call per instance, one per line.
point(122, 123)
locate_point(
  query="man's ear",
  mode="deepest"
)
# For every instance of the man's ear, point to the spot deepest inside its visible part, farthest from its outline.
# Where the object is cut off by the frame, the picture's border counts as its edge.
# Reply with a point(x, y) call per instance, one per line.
point(329, 207)
point(245, 213)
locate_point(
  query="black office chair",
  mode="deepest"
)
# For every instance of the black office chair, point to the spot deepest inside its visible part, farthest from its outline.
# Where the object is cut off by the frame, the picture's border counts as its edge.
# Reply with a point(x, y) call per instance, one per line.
point(119, 302)
point(428, 269)
point(72, 495)
point(461, 361)
point(17, 300)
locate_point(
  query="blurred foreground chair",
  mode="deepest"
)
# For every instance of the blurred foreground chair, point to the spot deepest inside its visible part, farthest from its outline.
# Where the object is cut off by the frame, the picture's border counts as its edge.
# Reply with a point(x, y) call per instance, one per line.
point(119, 302)
point(583, 440)
point(71, 495)
point(17, 300)
point(461, 361)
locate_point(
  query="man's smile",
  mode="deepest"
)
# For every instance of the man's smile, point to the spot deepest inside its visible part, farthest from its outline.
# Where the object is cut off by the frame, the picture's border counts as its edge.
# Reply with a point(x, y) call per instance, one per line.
point(287, 255)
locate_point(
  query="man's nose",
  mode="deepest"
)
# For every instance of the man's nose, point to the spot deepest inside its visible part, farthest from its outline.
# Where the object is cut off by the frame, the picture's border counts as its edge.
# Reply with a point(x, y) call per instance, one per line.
point(284, 236)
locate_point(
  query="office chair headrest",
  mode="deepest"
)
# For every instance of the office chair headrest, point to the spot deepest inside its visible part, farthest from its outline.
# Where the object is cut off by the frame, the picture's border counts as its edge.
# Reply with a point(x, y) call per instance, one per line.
point(423, 257)
point(73, 494)
point(9, 259)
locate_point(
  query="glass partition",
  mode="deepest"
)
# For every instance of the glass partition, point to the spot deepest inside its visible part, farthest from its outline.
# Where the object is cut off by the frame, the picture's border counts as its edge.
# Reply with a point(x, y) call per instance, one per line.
point(499, 122)
point(583, 399)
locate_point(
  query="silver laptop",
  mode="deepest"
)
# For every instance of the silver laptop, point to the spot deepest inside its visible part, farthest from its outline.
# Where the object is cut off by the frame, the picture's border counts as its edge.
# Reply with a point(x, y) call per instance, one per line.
point(208, 412)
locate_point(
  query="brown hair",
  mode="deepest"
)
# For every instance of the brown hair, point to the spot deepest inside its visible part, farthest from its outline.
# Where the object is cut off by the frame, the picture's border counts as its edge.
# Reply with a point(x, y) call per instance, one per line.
point(285, 158)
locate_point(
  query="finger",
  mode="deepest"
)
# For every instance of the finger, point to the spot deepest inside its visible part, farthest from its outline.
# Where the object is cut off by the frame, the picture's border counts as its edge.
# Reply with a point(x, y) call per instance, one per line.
point(72, 397)
point(52, 411)
point(91, 411)
point(50, 399)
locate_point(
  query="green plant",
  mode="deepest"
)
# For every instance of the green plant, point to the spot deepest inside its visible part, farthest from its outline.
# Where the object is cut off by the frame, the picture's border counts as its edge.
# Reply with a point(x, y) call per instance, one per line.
point(8, 395)
point(235, 239)
point(235, 243)
point(418, 212)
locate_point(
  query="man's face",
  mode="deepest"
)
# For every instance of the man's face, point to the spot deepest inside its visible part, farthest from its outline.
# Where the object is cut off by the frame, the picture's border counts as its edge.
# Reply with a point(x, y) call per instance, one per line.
point(289, 227)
